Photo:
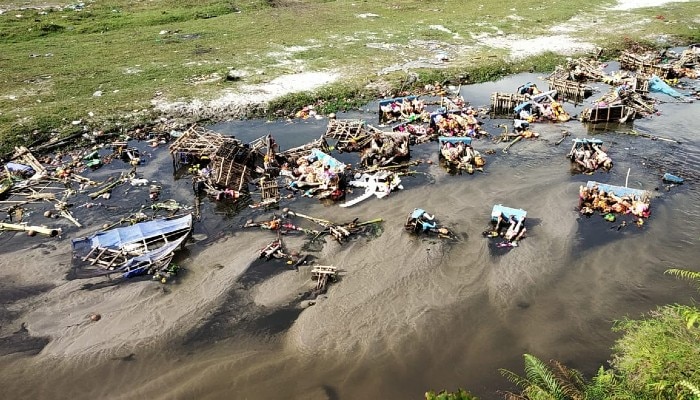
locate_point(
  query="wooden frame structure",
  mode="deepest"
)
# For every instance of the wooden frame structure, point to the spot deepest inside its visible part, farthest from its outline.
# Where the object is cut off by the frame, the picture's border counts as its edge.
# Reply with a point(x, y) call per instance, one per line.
point(229, 165)
point(322, 273)
point(502, 104)
point(572, 91)
point(194, 144)
point(22, 155)
point(616, 113)
point(270, 192)
point(351, 134)
point(645, 65)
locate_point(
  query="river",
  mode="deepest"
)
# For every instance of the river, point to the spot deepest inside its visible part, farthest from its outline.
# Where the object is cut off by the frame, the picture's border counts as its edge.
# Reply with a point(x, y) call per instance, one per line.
point(411, 314)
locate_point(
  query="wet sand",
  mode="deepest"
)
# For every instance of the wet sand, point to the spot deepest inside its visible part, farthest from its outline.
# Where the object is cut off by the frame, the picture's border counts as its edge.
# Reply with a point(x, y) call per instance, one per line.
point(408, 314)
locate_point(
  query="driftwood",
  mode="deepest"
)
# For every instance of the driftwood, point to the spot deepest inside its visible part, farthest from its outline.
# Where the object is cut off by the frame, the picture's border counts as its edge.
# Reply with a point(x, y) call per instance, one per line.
point(338, 231)
point(652, 137)
point(30, 229)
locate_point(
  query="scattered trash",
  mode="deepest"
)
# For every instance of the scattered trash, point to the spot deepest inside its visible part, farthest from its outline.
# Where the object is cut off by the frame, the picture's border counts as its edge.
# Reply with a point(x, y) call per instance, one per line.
point(669, 178)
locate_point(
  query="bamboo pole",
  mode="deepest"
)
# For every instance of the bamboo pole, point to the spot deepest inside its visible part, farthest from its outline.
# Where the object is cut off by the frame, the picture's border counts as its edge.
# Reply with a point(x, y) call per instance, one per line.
point(634, 132)
point(314, 219)
point(27, 228)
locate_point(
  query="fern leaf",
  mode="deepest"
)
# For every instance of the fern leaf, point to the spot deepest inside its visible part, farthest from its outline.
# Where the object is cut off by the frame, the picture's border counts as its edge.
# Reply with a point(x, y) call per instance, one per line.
point(570, 380)
point(539, 375)
point(684, 274)
point(515, 379)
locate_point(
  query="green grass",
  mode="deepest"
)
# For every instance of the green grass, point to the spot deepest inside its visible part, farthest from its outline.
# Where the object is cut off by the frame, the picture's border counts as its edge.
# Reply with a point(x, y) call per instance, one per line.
point(53, 60)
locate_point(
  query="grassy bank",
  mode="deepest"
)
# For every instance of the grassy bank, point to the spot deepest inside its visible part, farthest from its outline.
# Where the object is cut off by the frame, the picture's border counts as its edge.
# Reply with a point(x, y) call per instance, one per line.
point(68, 68)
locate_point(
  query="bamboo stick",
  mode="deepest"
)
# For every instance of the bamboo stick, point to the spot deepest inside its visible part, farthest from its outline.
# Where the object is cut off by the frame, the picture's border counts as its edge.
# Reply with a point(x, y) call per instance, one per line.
point(38, 229)
point(107, 188)
point(634, 132)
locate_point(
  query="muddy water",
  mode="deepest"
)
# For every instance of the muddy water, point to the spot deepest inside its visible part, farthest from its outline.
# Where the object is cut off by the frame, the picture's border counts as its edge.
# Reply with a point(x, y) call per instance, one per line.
point(449, 315)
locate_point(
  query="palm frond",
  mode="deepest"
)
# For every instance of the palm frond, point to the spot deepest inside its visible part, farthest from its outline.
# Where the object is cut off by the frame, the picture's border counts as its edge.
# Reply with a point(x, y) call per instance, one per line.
point(571, 381)
point(684, 274)
point(539, 393)
point(540, 376)
point(514, 378)
point(512, 396)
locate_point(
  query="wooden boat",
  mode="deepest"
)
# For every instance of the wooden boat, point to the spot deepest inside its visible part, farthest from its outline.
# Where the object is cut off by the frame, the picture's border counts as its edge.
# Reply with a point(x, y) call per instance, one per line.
point(131, 250)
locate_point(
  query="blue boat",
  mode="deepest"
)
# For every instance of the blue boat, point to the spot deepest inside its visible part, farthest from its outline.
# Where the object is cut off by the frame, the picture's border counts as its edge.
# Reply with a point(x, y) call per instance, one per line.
point(507, 212)
point(131, 250)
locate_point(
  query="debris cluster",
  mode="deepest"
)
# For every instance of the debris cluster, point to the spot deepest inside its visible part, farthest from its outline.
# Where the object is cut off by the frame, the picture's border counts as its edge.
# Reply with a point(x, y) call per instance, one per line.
point(260, 175)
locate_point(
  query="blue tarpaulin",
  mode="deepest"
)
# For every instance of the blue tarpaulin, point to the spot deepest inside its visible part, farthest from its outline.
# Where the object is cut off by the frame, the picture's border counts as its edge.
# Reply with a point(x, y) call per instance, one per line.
point(119, 237)
point(657, 85)
point(19, 168)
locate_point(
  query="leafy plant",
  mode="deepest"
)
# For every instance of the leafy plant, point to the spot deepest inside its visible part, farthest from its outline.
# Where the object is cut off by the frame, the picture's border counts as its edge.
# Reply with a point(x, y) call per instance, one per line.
point(460, 394)
point(542, 381)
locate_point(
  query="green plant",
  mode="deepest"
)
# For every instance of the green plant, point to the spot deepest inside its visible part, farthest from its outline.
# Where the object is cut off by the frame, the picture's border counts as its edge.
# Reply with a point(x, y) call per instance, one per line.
point(460, 394)
point(655, 353)
point(541, 381)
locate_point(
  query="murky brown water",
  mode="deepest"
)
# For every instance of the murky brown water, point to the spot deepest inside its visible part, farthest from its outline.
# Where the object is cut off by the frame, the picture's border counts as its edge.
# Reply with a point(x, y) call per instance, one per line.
point(447, 316)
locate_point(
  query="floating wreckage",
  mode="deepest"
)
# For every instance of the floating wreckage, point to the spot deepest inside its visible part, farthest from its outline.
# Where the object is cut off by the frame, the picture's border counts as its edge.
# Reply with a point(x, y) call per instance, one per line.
point(378, 184)
point(376, 147)
point(419, 221)
point(317, 174)
point(611, 200)
point(408, 108)
point(456, 123)
point(145, 247)
point(529, 104)
point(340, 232)
point(457, 153)
point(588, 155)
point(512, 220)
